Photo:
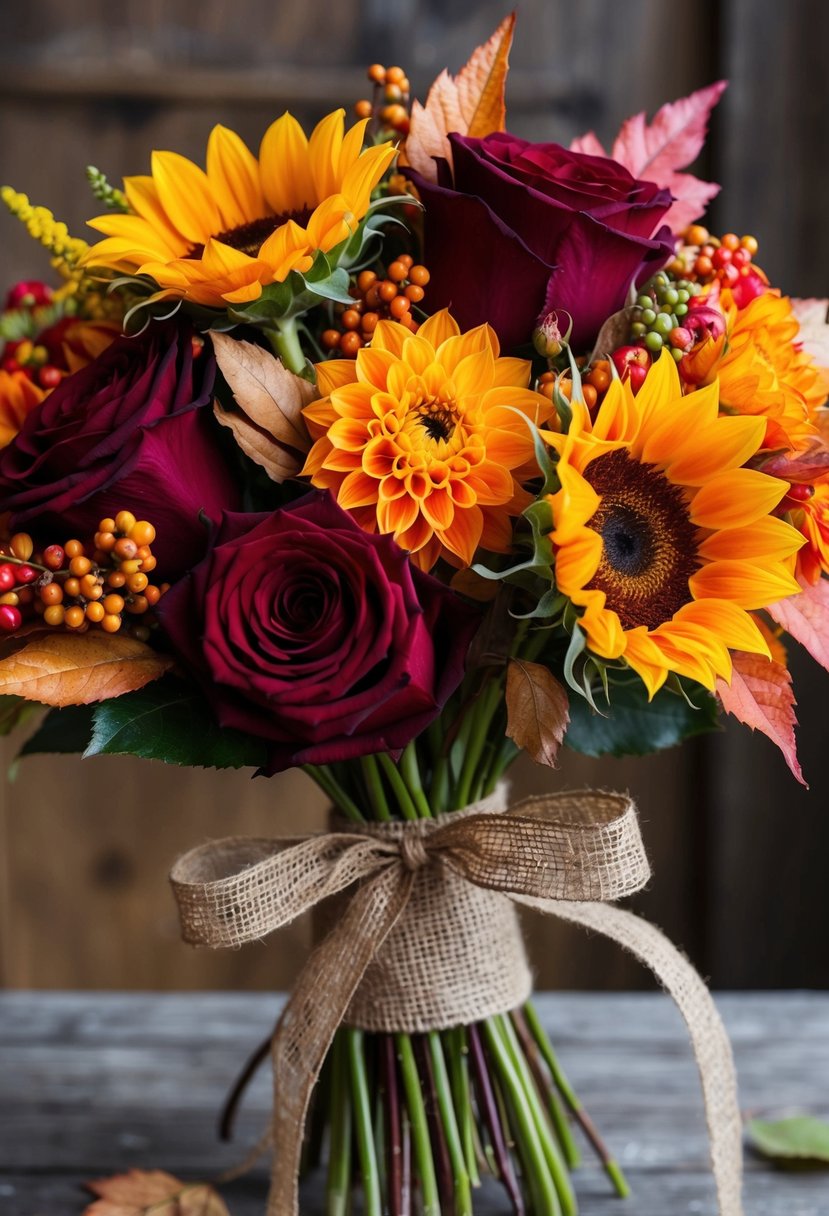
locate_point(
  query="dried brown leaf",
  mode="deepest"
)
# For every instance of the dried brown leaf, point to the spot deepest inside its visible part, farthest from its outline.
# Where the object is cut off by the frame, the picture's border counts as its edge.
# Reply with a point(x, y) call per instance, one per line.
point(471, 103)
point(267, 424)
point(77, 669)
point(537, 710)
point(141, 1192)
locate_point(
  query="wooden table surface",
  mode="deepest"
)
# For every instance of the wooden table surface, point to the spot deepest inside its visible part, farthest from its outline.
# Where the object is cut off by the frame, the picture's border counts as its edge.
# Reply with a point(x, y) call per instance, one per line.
point(94, 1083)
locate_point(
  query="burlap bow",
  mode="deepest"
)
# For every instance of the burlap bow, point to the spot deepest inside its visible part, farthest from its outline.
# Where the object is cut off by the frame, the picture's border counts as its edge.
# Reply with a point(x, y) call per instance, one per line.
point(565, 855)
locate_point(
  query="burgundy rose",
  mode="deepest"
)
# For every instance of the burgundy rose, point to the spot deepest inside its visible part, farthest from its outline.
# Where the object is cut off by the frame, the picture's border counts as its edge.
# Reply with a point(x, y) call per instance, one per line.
point(317, 636)
point(127, 432)
point(518, 229)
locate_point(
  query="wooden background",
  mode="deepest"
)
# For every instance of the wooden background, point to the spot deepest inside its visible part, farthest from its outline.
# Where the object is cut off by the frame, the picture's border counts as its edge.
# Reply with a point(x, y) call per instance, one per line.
point(738, 849)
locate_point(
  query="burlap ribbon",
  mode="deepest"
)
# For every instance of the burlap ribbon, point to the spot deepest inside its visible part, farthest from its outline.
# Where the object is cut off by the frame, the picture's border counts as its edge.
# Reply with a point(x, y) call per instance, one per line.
point(566, 855)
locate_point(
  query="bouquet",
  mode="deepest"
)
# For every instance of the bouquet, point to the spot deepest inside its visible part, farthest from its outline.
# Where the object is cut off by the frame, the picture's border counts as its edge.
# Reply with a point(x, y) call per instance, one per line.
point(392, 452)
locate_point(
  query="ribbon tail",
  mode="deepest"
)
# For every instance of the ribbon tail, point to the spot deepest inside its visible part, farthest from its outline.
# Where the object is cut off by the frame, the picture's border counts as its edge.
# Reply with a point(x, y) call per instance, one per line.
point(709, 1040)
point(316, 1007)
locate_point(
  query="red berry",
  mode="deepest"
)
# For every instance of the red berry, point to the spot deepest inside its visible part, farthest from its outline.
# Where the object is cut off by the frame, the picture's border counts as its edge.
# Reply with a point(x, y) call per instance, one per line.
point(54, 557)
point(10, 365)
point(740, 257)
point(800, 492)
point(7, 579)
point(10, 618)
point(49, 377)
point(721, 257)
point(729, 275)
point(680, 337)
point(30, 293)
point(26, 574)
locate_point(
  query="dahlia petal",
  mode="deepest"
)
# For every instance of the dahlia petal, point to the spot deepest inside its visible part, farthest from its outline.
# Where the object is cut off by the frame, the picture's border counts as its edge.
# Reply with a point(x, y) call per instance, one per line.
point(439, 510)
point(357, 490)
point(455, 349)
point(511, 373)
point(185, 194)
point(497, 531)
point(233, 174)
point(391, 336)
point(506, 397)
point(734, 499)
point(746, 585)
point(334, 373)
point(439, 327)
point(473, 375)
point(463, 536)
point(284, 167)
point(373, 366)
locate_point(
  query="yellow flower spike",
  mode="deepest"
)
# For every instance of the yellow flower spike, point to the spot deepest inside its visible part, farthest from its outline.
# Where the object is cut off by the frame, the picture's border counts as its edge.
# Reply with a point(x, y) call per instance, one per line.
point(422, 437)
point(40, 223)
point(662, 538)
point(219, 237)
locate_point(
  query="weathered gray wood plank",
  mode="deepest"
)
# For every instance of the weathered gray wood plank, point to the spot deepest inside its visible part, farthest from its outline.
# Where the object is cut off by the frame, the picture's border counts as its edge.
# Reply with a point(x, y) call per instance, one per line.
point(92, 1084)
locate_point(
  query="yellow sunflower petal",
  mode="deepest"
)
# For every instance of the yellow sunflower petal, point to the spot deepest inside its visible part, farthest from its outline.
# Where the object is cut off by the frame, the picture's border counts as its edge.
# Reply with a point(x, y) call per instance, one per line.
point(734, 499)
point(725, 620)
point(578, 561)
point(324, 149)
point(769, 538)
point(646, 659)
point(364, 174)
point(142, 196)
point(233, 174)
point(746, 585)
point(185, 194)
point(284, 167)
point(728, 445)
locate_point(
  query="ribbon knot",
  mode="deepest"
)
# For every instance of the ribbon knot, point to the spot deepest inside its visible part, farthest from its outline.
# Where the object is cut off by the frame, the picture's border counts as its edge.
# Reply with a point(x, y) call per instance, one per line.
point(566, 855)
point(413, 852)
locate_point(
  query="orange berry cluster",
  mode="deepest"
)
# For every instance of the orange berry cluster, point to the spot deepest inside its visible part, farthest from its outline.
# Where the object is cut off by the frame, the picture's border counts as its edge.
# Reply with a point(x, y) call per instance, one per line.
point(377, 299)
point(594, 383)
point(73, 586)
point(390, 105)
point(703, 257)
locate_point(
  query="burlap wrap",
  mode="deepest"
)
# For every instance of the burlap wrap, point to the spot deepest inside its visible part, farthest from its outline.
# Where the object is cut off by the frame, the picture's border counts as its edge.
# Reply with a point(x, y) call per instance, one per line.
point(565, 855)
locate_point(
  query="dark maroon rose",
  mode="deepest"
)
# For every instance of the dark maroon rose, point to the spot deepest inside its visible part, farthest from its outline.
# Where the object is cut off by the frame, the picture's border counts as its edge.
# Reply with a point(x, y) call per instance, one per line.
point(517, 229)
point(128, 432)
point(306, 631)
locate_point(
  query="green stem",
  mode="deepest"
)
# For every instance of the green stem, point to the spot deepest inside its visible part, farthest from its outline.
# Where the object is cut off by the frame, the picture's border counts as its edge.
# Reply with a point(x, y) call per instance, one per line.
point(536, 1171)
point(330, 786)
point(455, 1043)
point(611, 1166)
point(338, 1183)
point(463, 1194)
point(283, 337)
point(363, 1125)
point(555, 1161)
point(481, 716)
point(411, 773)
point(421, 1144)
point(374, 785)
point(440, 785)
point(399, 788)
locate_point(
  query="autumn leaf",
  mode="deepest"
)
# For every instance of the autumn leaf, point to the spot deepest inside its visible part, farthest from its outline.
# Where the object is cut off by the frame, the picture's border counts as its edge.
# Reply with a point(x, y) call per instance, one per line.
point(656, 151)
point(537, 710)
point(760, 695)
point(471, 103)
point(813, 316)
point(268, 424)
point(806, 618)
point(807, 466)
point(76, 669)
point(141, 1192)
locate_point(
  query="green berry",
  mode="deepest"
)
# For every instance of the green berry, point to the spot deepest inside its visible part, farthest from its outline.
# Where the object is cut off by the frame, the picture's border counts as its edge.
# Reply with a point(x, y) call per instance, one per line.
point(677, 354)
point(644, 301)
point(663, 324)
point(672, 296)
point(648, 316)
point(680, 310)
point(638, 329)
point(653, 342)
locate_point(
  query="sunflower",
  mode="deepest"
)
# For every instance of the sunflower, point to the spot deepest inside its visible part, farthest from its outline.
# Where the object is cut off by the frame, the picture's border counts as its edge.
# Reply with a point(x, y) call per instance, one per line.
point(425, 436)
point(765, 372)
point(219, 237)
point(662, 537)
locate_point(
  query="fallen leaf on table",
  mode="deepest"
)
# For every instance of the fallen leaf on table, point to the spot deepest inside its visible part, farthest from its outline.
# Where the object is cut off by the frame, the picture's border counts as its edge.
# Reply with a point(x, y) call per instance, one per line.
point(792, 1143)
point(141, 1192)
point(537, 710)
point(268, 424)
point(471, 103)
point(77, 669)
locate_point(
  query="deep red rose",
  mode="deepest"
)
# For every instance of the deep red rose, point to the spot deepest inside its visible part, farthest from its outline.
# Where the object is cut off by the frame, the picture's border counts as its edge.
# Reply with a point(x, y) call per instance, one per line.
point(317, 636)
point(129, 431)
point(517, 229)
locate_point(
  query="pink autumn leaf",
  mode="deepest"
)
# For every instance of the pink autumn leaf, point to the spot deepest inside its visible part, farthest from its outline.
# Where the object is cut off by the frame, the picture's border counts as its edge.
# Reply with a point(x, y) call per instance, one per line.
point(806, 618)
point(657, 151)
point(760, 695)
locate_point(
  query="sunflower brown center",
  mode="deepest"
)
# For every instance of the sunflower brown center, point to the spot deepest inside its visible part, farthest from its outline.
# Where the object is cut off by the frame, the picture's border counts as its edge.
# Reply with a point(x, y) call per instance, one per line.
point(649, 545)
point(249, 238)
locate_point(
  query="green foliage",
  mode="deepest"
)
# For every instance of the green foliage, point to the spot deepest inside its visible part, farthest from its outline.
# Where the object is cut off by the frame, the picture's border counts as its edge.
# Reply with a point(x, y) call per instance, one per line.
point(634, 726)
point(61, 731)
point(169, 720)
point(105, 193)
point(795, 1143)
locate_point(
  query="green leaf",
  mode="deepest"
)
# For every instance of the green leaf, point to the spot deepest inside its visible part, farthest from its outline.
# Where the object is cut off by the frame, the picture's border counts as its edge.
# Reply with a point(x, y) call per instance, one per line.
point(792, 1143)
point(61, 731)
point(170, 721)
point(14, 711)
point(635, 726)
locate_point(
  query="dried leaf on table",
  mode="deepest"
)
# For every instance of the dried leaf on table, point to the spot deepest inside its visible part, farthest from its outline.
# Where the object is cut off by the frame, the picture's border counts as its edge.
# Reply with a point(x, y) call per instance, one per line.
point(760, 695)
point(77, 669)
point(656, 151)
point(471, 103)
point(537, 710)
point(141, 1192)
point(267, 423)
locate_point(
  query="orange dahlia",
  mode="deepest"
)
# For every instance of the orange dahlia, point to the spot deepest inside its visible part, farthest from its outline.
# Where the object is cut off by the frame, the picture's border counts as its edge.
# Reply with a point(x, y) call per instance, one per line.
point(812, 519)
point(18, 395)
point(219, 237)
point(765, 373)
point(425, 436)
point(661, 537)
